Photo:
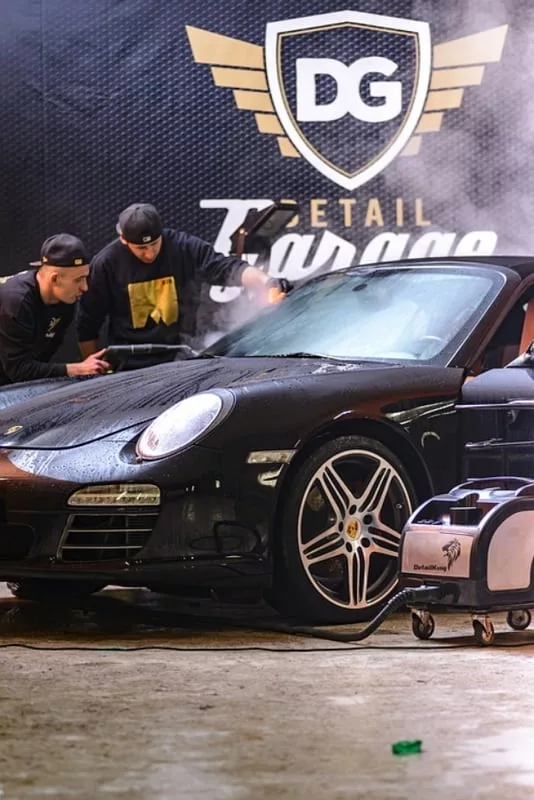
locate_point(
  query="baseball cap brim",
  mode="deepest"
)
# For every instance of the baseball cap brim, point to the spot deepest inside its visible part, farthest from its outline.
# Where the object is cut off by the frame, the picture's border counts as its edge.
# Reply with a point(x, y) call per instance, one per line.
point(83, 263)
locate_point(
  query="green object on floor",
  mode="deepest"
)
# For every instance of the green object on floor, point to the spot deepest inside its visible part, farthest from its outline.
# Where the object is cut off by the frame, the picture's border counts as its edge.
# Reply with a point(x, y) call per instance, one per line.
point(406, 748)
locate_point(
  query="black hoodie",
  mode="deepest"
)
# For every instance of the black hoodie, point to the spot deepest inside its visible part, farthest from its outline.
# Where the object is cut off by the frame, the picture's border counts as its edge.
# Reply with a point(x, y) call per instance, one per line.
point(30, 331)
point(152, 303)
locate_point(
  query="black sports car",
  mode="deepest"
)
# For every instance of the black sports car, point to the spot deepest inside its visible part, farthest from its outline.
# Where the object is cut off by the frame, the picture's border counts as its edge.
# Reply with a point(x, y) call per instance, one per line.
point(286, 457)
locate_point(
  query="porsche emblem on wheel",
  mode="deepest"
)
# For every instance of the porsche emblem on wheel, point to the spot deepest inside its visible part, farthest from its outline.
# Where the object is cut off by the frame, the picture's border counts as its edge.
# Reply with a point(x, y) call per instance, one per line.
point(353, 529)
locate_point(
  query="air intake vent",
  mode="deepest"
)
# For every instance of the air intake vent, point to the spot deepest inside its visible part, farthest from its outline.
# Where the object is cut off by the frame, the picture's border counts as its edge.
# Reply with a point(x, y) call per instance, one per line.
point(105, 537)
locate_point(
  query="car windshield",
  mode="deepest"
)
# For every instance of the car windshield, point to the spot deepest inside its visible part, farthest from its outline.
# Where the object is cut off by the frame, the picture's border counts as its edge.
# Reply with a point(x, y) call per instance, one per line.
point(403, 314)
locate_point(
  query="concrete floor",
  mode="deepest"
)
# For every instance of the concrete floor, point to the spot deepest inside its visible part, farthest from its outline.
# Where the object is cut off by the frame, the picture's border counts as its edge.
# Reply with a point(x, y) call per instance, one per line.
point(291, 717)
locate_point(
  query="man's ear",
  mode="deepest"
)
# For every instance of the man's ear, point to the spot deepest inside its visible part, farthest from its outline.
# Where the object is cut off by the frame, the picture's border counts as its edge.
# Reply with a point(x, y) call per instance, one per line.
point(54, 277)
point(122, 239)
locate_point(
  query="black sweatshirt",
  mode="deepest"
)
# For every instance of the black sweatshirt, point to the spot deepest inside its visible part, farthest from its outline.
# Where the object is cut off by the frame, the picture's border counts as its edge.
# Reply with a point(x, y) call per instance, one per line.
point(152, 303)
point(30, 331)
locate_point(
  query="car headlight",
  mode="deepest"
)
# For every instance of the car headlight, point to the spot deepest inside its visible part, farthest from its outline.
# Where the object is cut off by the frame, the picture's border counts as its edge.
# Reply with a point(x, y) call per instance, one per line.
point(184, 423)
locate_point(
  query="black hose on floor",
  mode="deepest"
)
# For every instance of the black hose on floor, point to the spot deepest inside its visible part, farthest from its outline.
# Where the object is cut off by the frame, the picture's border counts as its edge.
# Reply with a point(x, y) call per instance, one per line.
point(410, 595)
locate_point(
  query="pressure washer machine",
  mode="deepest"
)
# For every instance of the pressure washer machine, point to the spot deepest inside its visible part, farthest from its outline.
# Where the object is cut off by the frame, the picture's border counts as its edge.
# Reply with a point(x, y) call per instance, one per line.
point(473, 550)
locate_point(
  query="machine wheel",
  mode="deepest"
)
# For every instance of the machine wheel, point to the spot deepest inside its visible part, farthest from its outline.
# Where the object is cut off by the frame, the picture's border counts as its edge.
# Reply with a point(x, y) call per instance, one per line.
point(336, 558)
point(484, 634)
point(49, 590)
point(423, 628)
point(519, 619)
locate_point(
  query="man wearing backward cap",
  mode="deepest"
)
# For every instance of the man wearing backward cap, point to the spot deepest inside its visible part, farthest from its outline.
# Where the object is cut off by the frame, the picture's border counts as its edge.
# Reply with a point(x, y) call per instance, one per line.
point(37, 307)
point(147, 283)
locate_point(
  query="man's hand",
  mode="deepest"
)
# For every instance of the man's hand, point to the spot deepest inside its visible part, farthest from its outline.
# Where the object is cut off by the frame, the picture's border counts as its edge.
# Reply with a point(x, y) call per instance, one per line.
point(92, 365)
point(277, 288)
point(272, 289)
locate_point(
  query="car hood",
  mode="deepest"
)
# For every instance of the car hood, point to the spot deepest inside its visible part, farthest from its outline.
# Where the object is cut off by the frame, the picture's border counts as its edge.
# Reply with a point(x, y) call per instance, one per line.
point(75, 414)
point(15, 393)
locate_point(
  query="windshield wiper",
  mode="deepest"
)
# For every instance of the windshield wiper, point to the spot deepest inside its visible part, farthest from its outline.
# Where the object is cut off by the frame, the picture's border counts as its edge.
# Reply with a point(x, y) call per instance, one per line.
point(344, 359)
point(303, 354)
point(299, 354)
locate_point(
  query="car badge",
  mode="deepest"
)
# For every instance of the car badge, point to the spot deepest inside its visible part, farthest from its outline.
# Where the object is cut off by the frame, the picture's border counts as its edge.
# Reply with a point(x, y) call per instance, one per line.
point(13, 429)
point(353, 529)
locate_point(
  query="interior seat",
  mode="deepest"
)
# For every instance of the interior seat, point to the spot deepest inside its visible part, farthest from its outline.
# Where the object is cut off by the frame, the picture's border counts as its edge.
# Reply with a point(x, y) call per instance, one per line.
point(527, 334)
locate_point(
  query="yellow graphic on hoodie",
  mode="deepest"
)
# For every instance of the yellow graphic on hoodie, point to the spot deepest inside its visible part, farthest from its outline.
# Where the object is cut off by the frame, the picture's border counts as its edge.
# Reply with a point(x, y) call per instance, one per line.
point(155, 299)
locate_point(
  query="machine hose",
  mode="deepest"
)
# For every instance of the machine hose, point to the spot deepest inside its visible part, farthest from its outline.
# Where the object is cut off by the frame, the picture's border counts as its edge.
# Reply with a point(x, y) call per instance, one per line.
point(410, 595)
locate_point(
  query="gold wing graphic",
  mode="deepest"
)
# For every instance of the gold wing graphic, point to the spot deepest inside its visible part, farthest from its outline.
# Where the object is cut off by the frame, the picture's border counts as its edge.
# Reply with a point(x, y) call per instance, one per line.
point(240, 66)
point(455, 65)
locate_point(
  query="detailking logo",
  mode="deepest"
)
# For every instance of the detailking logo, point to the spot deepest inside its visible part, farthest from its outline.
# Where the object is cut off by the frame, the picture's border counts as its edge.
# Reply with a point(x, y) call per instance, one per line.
point(348, 91)
point(451, 552)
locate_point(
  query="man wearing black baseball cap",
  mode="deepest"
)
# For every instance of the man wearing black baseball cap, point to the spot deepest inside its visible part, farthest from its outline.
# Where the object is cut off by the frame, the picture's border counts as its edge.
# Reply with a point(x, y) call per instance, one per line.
point(37, 307)
point(147, 282)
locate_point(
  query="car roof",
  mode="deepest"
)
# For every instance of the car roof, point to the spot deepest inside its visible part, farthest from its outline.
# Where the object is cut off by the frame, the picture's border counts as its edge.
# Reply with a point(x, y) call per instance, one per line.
point(522, 265)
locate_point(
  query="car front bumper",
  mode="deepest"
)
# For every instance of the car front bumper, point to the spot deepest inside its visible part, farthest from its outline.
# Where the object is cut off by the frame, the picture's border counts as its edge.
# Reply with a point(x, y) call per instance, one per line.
point(212, 526)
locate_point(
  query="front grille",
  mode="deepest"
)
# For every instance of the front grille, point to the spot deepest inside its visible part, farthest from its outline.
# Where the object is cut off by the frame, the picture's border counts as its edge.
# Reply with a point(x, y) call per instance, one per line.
point(105, 537)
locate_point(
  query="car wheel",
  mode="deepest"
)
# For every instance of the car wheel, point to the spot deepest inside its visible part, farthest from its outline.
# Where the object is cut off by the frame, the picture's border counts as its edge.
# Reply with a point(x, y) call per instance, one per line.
point(340, 532)
point(43, 589)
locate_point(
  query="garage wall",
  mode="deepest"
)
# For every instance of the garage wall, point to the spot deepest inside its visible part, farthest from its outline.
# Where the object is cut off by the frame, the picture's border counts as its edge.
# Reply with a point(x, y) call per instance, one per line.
point(106, 102)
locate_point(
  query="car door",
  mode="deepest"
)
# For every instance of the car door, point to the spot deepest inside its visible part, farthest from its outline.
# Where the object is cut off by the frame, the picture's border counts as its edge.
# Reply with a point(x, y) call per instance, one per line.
point(434, 427)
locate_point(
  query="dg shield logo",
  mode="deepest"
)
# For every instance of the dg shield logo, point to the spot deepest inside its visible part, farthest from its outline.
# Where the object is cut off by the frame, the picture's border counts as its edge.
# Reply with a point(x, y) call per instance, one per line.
point(349, 88)
point(347, 92)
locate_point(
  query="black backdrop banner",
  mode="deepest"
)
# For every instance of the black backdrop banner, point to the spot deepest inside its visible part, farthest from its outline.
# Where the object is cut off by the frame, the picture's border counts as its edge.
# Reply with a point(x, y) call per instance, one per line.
point(401, 129)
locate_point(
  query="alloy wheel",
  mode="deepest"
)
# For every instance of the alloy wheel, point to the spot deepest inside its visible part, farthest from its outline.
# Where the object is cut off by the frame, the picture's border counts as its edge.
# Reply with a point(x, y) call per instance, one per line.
point(349, 522)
